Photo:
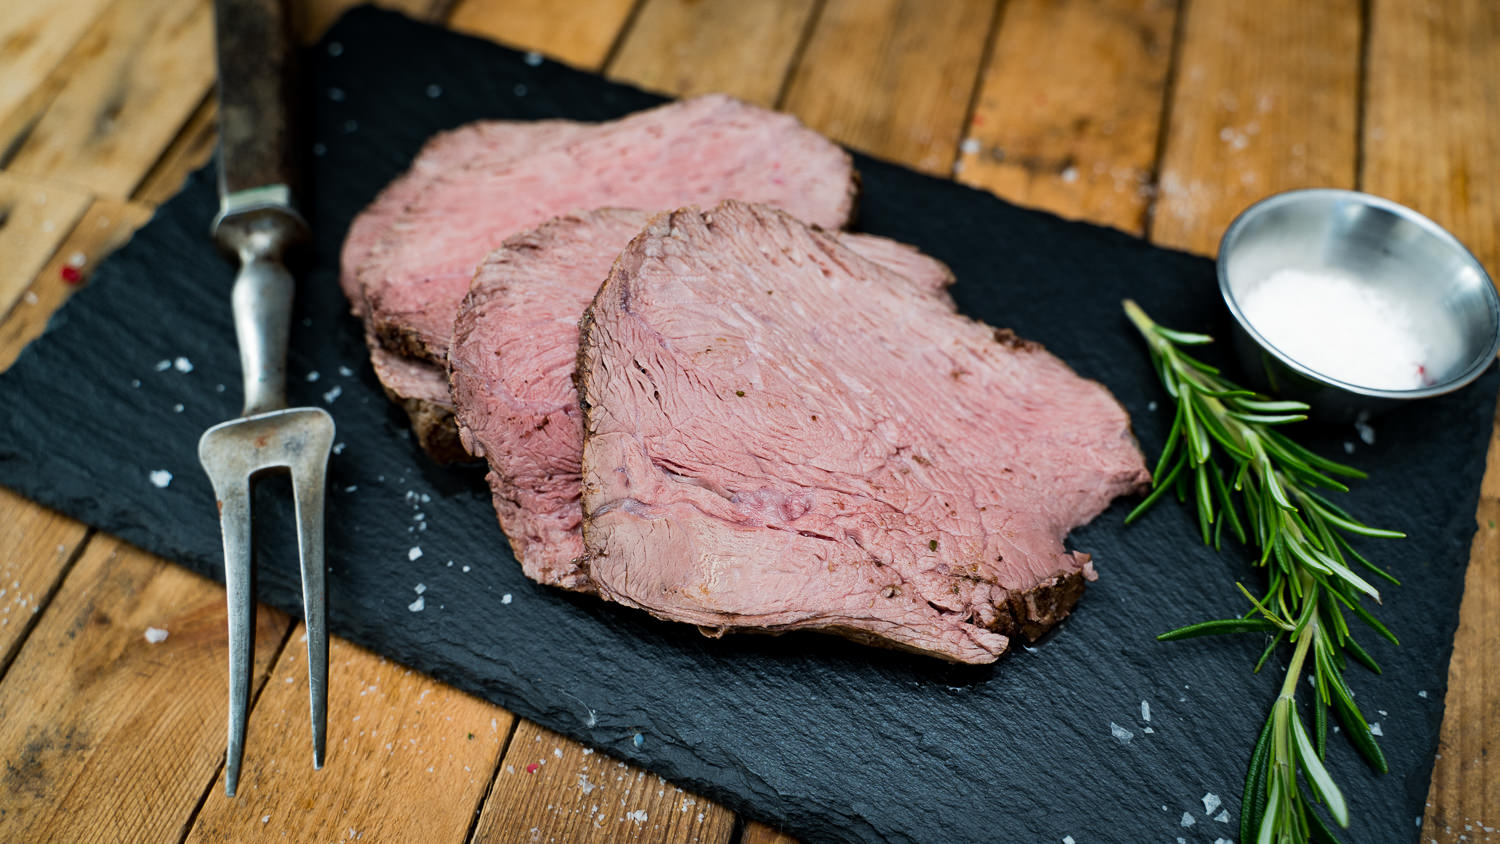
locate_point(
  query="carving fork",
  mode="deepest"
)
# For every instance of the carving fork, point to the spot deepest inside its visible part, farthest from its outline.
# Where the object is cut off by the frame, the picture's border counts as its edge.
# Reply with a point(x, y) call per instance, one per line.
point(257, 222)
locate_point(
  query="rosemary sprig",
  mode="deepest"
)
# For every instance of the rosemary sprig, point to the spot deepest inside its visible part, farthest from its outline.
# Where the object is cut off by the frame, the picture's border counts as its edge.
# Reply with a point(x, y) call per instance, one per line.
point(1267, 492)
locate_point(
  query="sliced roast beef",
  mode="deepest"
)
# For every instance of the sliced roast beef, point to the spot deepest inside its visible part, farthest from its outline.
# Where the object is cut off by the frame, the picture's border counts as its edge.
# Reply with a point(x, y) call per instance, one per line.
point(419, 386)
point(694, 151)
point(780, 434)
point(515, 344)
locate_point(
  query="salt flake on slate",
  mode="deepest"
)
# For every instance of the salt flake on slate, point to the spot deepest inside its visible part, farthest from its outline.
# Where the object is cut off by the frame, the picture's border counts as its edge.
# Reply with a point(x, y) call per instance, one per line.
point(313, 376)
point(338, 448)
point(345, 371)
point(1422, 693)
point(163, 365)
point(1210, 803)
point(418, 604)
point(136, 383)
point(1375, 729)
point(177, 408)
point(161, 478)
point(434, 91)
point(533, 58)
point(1145, 711)
point(466, 571)
point(420, 588)
point(182, 364)
point(504, 599)
point(1120, 732)
point(1187, 819)
point(1067, 839)
point(1222, 817)
point(414, 553)
point(332, 395)
point(155, 635)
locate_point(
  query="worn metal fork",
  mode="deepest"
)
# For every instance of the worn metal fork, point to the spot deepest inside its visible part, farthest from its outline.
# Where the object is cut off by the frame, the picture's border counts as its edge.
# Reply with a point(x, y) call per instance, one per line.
point(257, 222)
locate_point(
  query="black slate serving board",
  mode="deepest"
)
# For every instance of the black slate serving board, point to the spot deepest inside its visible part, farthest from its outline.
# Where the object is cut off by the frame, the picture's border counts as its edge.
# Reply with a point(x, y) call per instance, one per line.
point(832, 741)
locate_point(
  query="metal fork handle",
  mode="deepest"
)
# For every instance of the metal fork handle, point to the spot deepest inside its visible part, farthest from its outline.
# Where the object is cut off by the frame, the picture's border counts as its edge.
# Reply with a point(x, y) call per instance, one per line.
point(259, 226)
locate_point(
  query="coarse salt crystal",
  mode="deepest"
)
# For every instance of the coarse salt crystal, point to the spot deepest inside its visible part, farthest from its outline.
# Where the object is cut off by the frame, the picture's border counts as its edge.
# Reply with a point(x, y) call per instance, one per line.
point(1120, 732)
point(1187, 819)
point(332, 395)
point(1375, 729)
point(313, 376)
point(418, 604)
point(1339, 326)
point(163, 365)
point(1210, 803)
point(970, 146)
point(533, 58)
point(1145, 711)
point(161, 478)
point(345, 371)
point(182, 364)
point(420, 588)
point(1067, 839)
point(338, 448)
point(155, 635)
point(1422, 693)
point(1222, 817)
point(504, 599)
point(414, 553)
point(466, 571)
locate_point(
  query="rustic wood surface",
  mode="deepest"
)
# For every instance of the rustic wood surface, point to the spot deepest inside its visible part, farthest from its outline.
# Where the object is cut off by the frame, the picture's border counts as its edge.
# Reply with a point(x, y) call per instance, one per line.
point(1158, 117)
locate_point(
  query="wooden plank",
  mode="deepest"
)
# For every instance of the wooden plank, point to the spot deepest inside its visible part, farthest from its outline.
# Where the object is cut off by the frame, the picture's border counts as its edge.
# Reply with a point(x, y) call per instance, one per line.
point(34, 37)
point(106, 225)
point(1432, 102)
point(187, 152)
point(1070, 106)
point(688, 47)
point(579, 32)
point(315, 16)
point(893, 77)
point(1266, 100)
point(35, 216)
point(104, 730)
point(38, 545)
point(759, 833)
point(408, 759)
point(552, 789)
point(129, 85)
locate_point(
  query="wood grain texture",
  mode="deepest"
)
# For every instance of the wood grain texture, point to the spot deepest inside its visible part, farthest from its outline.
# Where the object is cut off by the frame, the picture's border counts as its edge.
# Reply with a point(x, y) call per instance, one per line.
point(1431, 142)
point(131, 82)
point(551, 789)
point(408, 759)
point(893, 77)
point(106, 225)
point(1266, 100)
point(187, 152)
point(35, 216)
point(578, 32)
point(37, 543)
point(106, 734)
point(1069, 108)
point(313, 17)
point(759, 833)
point(688, 47)
point(34, 38)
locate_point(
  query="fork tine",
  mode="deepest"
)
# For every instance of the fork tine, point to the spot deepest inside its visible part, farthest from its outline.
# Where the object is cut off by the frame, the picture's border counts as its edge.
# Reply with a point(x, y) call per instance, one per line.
point(234, 518)
point(308, 491)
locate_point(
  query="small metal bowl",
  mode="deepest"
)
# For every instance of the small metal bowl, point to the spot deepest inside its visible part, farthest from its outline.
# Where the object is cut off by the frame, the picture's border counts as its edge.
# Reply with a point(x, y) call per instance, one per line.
point(1443, 290)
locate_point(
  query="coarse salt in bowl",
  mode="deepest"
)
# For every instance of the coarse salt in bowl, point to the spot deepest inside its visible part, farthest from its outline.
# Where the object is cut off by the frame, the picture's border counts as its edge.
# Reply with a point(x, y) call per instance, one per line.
point(1353, 303)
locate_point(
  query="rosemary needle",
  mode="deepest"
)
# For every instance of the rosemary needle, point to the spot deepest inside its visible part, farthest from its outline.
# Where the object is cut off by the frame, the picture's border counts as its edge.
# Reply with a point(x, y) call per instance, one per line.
point(1224, 451)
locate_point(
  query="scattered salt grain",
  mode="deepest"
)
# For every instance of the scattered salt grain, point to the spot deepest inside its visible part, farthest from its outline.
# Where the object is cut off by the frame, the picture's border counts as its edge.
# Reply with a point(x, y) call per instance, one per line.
point(1348, 447)
point(161, 478)
point(1145, 711)
point(1120, 732)
point(265, 818)
point(533, 58)
point(1422, 693)
point(414, 553)
point(520, 90)
point(332, 395)
point(584, 785)
point(30, 298)
point(1151, 406)
point(336, 94)
point(345, 371)
point(338, 448)
point(351, 487)
point(1187, 819)
point(1366, 431)
point(1375, 729)
point(136, 383)
point(420, 588)
point(434, 91)
point(155, 635)
point(1222, 817)
point(1333, 323)
point(1210, 803)
point(177, 408)
point(557, 751)
point(504, 599)
point(639, 815)
point(218, 388)
point(1222, 841)
point(970, 146)
point(466, 571)
point(182, 364)
point(313, 376)
point(1147, 730)
point(1067, 839)
point(1070, 174)
point(418, 604)
point(163, 365)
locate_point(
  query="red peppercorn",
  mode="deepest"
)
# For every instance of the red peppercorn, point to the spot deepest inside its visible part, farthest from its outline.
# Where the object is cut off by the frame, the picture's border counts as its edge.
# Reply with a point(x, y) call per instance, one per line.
point(70, 274)
point(531, 769)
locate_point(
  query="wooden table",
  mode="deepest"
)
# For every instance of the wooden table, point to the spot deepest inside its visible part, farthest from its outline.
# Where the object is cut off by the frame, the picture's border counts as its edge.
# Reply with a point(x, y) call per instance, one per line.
point(1161, 118)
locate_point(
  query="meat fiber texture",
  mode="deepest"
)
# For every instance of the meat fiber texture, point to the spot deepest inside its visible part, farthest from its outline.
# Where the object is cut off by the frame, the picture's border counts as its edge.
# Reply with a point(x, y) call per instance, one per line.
point(515, 346)
point(421, 386)
point(695, 151)
point(780, 434)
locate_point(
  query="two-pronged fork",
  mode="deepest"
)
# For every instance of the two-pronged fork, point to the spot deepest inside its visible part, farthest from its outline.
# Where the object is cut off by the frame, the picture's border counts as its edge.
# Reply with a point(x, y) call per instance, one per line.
point(257, 222)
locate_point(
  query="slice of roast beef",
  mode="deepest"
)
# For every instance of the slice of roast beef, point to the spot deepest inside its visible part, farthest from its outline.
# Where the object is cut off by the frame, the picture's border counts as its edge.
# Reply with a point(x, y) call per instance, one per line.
point(419, 386)
point(694, 151)
point(780, 434)
point(515, 345)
